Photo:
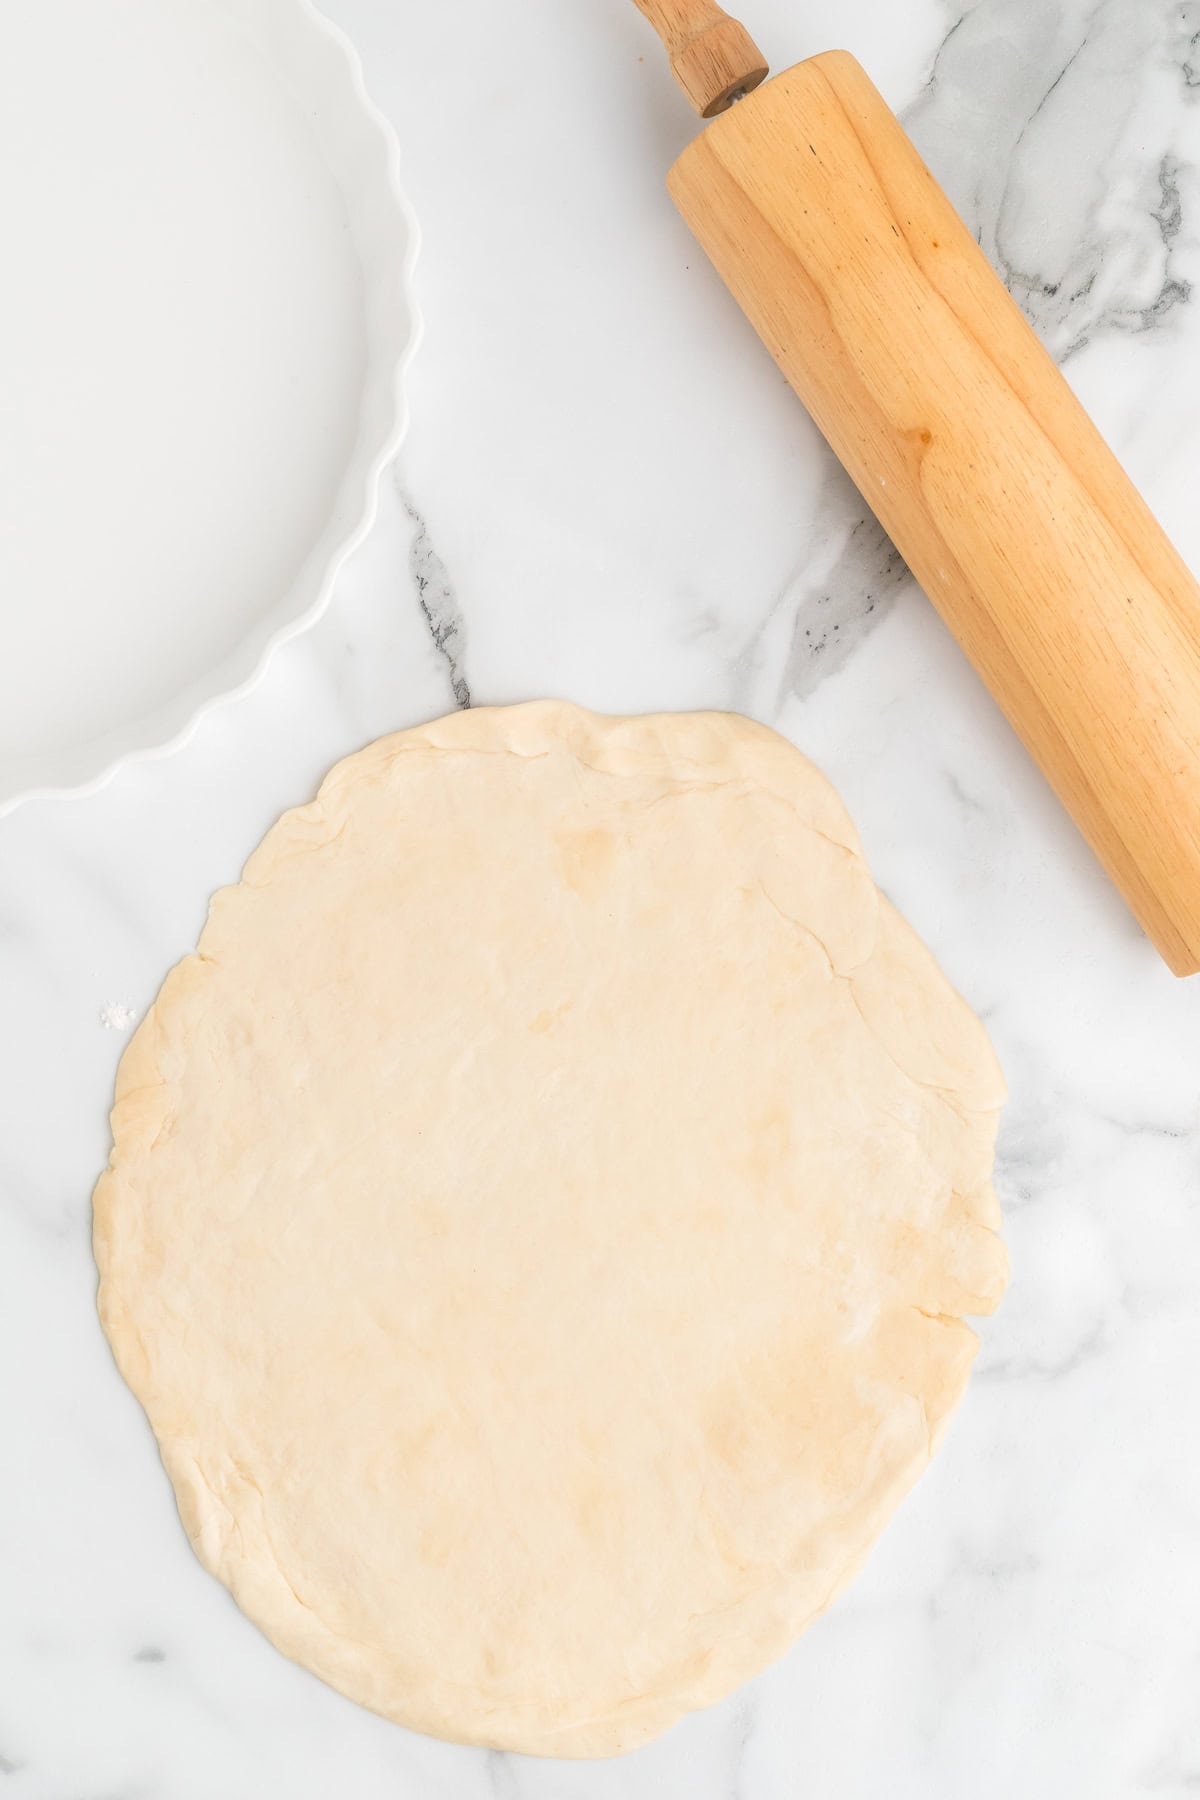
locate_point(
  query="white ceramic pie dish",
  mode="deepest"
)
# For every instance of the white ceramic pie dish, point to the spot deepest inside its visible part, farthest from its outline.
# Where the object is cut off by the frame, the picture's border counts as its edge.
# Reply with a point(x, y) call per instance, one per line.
point(203, 347)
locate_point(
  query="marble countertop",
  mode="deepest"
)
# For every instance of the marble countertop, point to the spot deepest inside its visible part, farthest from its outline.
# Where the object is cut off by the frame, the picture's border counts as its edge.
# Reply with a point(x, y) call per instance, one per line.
point(607, 493)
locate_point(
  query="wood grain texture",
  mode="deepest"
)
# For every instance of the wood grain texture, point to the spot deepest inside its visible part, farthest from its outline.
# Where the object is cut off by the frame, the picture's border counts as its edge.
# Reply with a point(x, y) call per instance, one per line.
point(713, 58)
point(979, 461)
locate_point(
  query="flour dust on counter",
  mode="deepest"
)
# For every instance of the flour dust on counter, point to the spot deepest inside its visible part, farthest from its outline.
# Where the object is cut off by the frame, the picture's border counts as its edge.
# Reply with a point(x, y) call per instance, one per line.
point(115, 1015)
point(541, 1217)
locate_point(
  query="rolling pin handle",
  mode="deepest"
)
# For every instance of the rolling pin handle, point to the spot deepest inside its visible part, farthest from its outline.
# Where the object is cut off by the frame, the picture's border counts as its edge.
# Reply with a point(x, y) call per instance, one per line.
point(713, 58)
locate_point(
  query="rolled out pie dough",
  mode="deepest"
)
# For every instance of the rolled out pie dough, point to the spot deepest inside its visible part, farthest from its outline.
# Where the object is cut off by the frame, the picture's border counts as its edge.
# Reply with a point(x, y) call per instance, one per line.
point(540, 1218)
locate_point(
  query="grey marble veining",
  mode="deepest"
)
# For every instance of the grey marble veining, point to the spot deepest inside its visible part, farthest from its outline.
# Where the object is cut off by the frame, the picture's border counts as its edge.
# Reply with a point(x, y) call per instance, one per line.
point(1078, 204)
point(437, 600)
point(608, 493)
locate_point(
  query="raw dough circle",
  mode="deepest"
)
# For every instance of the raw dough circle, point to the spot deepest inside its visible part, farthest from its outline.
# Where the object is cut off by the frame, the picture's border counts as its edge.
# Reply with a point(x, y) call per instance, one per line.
point(540, 1218)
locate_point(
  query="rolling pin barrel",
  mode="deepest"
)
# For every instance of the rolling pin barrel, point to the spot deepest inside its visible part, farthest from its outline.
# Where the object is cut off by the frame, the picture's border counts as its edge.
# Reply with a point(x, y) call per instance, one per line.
point(963, 437)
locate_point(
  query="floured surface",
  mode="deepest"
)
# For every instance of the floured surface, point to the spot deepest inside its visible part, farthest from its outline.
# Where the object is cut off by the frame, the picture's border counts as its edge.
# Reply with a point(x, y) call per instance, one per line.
point(540, 1220)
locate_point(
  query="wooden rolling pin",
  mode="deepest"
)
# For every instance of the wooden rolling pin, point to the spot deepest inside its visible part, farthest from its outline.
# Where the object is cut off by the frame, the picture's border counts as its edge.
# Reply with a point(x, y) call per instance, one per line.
point(959, 431)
